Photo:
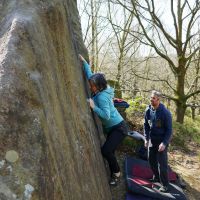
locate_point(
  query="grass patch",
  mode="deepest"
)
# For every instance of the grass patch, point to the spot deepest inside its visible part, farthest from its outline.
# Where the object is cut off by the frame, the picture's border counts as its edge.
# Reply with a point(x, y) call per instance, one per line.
point(184, 133)
point(132, 143)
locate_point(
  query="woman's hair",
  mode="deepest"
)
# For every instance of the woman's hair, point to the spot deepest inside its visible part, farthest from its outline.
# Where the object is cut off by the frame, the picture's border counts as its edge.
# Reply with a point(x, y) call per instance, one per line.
point(99, 81)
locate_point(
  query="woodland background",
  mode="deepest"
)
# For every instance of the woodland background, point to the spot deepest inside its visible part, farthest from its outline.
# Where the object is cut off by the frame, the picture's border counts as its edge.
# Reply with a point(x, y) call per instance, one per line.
point(150, 44)
point(145, 45)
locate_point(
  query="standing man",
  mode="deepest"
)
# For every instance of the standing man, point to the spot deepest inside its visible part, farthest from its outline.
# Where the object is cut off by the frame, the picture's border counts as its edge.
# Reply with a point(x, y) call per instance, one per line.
point(157, 132)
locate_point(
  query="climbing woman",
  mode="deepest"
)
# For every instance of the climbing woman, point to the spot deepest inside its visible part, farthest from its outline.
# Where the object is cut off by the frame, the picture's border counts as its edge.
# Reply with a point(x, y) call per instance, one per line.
point(113, 124)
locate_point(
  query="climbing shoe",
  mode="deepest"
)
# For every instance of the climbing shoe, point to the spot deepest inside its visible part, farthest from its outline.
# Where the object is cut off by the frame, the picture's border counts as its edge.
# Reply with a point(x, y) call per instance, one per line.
point(164, 189)
point(114, 180)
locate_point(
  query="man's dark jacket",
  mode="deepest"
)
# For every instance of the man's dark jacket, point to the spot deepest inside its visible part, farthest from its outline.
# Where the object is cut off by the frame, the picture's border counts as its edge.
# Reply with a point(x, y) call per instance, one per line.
point(158, 128)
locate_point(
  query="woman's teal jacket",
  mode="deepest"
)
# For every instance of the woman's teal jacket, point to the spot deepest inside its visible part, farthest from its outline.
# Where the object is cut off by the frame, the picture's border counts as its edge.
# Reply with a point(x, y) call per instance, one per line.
point(103, 101)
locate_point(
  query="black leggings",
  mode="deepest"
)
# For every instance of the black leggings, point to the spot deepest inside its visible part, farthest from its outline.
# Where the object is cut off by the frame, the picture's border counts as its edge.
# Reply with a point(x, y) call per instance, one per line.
point(114, 138)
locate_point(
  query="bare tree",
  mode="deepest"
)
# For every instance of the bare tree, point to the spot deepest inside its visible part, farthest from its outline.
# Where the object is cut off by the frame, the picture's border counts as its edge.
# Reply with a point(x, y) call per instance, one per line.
point(124, 46)
point(185, 15)
point(194, 85)
point(94, 26)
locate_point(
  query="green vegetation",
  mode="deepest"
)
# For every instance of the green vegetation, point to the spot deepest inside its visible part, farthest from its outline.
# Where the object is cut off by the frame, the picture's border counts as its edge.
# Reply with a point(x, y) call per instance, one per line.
point(137, 107)
point(184, 133)
point(130, 142)
point(131, 145)
point(116, 86)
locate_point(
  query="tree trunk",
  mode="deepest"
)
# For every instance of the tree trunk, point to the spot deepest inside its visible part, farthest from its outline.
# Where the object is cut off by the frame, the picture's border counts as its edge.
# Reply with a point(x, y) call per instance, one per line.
point(119, 66)
point(93, 10)
point(181, 100)
point(168, 103)
point(193, 112)
point(180, 112)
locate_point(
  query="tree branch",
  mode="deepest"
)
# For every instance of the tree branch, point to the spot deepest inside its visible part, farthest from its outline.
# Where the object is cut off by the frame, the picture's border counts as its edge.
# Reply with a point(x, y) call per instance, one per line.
point(192, 85)
point(194, 12)
point(159, 24)
point(155, 80)
point(171, 64)
point(174, 18)
point(192, 94)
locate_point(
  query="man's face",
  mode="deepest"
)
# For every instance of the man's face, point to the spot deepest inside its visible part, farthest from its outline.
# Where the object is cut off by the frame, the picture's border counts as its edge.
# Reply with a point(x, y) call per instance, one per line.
point(155, 101)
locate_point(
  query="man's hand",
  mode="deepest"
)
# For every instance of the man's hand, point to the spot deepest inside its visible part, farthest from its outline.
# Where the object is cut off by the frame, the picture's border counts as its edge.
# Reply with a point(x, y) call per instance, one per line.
point(91, 102)
point(161, 147)
point(81, 57)
point(146, 144)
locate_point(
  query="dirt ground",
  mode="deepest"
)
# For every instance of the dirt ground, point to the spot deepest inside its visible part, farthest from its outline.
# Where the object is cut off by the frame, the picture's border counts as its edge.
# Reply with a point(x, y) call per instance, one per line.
point(185, 164)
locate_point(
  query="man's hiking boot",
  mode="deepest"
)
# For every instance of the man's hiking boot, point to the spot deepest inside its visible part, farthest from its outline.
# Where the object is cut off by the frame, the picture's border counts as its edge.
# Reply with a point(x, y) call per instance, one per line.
point(164, 189)
point(155, 187)
point(114, 180)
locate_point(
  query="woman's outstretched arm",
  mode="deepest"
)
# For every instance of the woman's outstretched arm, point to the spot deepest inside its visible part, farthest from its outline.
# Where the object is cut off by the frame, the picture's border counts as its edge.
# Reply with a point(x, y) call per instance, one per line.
point(86, 67)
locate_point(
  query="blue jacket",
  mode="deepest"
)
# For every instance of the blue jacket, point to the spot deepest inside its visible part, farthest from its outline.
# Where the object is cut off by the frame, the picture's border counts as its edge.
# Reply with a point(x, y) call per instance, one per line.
point(158, 127)
point(104, 106)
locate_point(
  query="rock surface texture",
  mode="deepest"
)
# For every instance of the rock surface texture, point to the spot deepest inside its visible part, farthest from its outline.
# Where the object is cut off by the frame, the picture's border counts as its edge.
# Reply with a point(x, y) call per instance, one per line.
point(49, 143)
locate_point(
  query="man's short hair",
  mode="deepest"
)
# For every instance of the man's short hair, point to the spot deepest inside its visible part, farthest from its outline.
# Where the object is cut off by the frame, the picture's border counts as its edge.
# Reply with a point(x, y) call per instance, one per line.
point(156, 93)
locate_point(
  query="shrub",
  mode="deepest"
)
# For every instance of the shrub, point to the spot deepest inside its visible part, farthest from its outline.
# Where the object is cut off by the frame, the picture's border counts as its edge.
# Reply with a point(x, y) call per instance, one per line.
point(183, 133)
point(137, 107)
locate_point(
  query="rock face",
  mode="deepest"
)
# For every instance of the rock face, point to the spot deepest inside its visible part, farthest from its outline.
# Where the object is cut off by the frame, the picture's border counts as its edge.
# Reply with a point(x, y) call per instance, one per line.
point(49, 143)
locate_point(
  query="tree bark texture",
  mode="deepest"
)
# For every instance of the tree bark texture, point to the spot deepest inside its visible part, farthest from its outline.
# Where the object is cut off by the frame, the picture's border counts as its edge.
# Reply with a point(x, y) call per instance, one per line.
point(181, 100)
point(180, 111)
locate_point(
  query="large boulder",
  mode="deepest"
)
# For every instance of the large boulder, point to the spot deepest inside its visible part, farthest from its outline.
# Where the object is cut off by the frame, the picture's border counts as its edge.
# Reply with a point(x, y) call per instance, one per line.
point(49, 140)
